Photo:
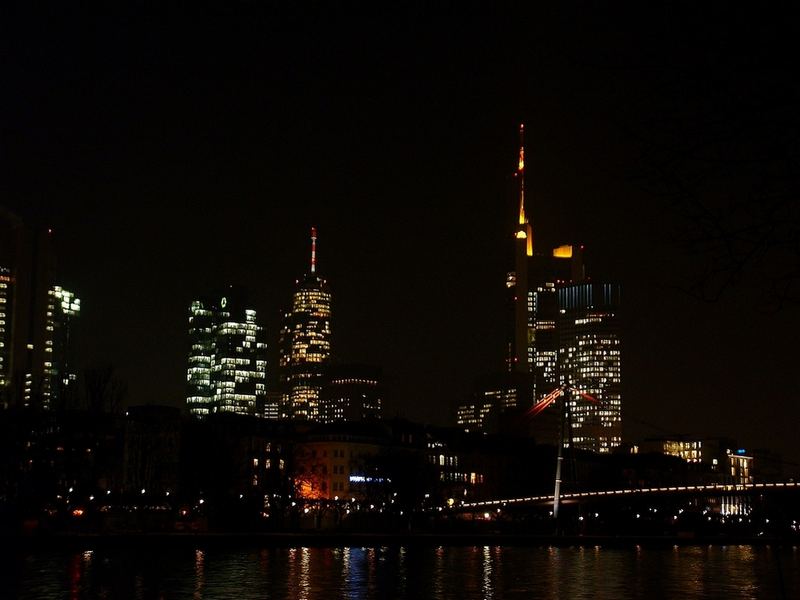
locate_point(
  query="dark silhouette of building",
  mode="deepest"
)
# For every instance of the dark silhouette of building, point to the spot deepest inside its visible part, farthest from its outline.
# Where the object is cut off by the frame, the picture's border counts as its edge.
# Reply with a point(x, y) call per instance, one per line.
point(351, 393)
point(710, 459)
point(151, 460)
point(494, 396)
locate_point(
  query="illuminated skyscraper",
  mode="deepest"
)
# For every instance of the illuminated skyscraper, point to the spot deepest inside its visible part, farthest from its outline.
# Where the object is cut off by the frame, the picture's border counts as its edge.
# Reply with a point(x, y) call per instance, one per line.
point(227, 358)
point(59, 377)
point(589, 360)
point(546, 274)
point(202, 322)
point(37, 320)
point(532, 285)
point(562, 335)
point(305, 344)
point(5, 333)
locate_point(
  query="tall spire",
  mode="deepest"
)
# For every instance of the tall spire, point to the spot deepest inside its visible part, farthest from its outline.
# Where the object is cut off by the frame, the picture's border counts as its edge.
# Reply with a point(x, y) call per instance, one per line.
point(313, 250)
point(521, 174)
point(523, 249)
point(525, 231)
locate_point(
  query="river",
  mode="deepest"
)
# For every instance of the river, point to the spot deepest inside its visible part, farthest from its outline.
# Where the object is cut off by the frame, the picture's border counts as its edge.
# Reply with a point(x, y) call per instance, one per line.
point(412, 572)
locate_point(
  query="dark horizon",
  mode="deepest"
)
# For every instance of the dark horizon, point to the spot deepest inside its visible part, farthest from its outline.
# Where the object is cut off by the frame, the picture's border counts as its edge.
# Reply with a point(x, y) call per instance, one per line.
point(173, 159)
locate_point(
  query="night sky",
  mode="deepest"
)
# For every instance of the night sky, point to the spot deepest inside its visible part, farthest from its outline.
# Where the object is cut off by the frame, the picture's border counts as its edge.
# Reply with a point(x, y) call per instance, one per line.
point(176, 151)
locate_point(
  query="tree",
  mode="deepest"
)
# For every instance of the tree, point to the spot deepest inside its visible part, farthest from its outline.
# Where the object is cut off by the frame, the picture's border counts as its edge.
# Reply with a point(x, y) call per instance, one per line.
point(715, 114)
point(103, 389)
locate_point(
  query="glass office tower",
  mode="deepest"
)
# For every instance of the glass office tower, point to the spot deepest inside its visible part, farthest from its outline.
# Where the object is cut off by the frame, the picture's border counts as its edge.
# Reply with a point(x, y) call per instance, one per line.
point(227, 358)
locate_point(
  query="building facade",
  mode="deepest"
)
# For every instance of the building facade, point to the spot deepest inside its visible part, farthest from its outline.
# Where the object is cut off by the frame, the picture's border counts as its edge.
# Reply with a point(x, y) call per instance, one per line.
point(333, 466)
point(351, 393)
point(533, 341)
point(59, 381)
point(227, 358)
point(37, 321)
point(564, 331)
point(590, 361)
point(305, 344)
point(497, 404)
point(5, 334)
point(721, 458)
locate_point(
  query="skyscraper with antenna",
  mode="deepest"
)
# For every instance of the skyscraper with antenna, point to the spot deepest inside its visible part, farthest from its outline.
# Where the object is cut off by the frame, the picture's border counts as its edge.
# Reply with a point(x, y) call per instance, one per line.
point(565, 330)
point(517, 281)
point(532, 346)
point(305, 344)
point(532, 284)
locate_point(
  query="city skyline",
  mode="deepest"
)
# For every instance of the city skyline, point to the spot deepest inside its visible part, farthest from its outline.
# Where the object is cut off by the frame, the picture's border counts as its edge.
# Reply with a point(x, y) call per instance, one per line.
point(402, 162)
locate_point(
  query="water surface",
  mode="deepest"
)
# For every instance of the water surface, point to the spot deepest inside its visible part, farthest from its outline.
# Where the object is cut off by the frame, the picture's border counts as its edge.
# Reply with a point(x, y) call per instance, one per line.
point(405, 572)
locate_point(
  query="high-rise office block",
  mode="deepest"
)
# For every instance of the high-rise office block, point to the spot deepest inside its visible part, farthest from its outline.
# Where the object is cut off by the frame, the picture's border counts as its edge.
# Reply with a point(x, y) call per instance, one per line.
point(5, 333)
point(227, 357)
point(532, 285)
point(305, 344)
point(546, 274)
point(37, 319)
point(59, 377)
point(497, 400)
point(589, 360)
point(202, 322)
point(543, 338)
point(271, 408)
point(351, 393)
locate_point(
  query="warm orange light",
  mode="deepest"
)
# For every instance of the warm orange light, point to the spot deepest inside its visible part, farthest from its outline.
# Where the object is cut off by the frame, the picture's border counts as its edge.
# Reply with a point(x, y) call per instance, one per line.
point(78, 512)
point(306, 489)
point(521, 166)
point(521, 235)
point(563, 251)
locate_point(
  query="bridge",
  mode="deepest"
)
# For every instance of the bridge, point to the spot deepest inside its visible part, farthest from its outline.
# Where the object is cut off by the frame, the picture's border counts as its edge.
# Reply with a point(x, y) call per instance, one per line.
point(715, 489)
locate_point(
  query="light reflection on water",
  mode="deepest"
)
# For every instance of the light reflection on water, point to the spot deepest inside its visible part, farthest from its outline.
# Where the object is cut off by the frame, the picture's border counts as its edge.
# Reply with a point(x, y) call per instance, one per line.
point(199, 577)
point(687, 573)
point(487, 572)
